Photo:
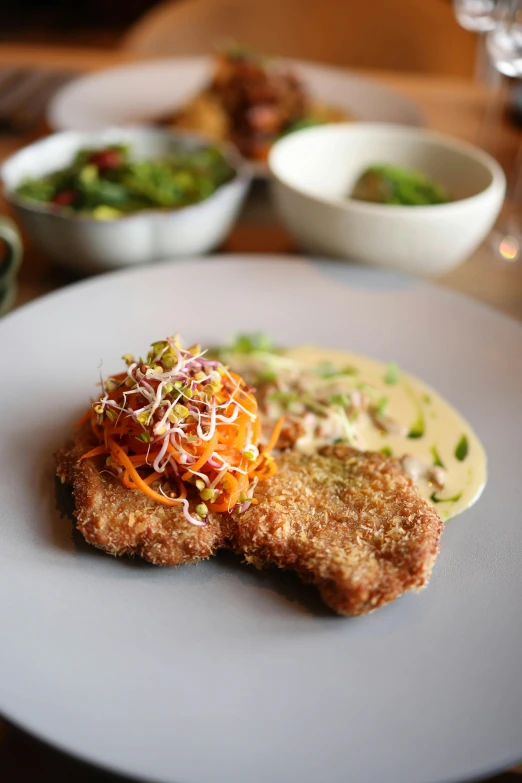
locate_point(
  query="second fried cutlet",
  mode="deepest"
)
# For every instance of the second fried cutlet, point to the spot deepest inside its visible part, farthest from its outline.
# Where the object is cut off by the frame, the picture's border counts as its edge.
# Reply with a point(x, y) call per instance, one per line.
point(125, 521)
point(351, 522)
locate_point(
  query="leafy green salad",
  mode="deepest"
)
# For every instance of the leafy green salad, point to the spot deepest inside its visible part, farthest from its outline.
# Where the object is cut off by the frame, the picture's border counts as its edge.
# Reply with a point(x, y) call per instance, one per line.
point(108, 183)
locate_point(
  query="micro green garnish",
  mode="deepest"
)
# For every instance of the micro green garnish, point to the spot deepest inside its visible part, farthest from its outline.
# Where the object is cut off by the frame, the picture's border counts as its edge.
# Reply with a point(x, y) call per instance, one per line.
point(178, 421)
point(436, 457)
point(462, 449)
point(202, 510)
point(387, 451)
point(392, 375)
point(350, 433)
point(436, 499)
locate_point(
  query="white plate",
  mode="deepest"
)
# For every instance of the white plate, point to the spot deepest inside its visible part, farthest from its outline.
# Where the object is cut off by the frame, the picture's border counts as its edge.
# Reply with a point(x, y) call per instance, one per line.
point(148, 90)
point(217, 672)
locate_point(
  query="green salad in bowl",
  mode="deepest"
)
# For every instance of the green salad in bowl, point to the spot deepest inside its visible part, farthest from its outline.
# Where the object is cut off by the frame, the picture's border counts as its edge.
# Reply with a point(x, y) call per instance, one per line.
point(107, 183)
point(95, 200)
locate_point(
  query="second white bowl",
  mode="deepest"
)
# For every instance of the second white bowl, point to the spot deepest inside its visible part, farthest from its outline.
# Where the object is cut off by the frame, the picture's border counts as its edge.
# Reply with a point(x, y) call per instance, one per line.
point(314, 171)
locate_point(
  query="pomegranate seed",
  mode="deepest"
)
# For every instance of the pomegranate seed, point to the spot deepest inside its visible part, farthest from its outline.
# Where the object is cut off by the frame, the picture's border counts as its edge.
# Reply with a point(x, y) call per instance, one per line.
point(106, 159)
point(65, 198)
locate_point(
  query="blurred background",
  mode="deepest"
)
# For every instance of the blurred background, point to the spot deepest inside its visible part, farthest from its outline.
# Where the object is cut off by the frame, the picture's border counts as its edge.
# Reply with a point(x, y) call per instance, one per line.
point(437, 44)
point(90, 22)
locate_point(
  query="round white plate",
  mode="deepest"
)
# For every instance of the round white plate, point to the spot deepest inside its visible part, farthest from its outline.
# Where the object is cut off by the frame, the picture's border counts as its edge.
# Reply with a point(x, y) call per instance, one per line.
point(218, 673)
point(147, 90)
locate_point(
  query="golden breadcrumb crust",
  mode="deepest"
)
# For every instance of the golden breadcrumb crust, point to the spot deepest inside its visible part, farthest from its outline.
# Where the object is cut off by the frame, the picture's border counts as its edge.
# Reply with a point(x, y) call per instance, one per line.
point(124, 521)
point(351, 522)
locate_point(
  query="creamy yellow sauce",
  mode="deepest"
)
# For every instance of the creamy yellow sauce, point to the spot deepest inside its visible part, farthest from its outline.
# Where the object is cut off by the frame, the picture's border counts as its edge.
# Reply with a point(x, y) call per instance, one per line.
point(418, 408)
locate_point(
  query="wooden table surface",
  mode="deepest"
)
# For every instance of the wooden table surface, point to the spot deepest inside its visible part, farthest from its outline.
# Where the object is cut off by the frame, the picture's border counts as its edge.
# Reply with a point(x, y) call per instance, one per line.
point(452, 106)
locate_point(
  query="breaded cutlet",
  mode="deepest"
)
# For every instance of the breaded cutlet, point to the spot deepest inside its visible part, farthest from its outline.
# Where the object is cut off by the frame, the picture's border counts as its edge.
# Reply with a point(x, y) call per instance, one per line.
point(351, 522)
point(124, 521)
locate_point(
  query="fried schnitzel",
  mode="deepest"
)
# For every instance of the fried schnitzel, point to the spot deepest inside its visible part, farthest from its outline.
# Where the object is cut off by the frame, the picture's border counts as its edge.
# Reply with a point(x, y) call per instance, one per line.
point(351, 522)
point(124, 521)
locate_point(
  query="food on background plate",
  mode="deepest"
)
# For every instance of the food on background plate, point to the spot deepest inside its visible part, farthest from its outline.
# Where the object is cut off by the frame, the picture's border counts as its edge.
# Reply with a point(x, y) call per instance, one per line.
point(386, 184)
point(108, 183)
point(178, 458)
point(252, 101)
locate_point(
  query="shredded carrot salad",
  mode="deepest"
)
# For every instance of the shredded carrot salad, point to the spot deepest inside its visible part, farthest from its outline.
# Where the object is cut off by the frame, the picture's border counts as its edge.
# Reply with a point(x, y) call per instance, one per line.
point(178, 420)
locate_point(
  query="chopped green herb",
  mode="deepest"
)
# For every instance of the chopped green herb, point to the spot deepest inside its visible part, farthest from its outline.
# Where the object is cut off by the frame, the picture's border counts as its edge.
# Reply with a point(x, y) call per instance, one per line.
point(426, 398)
point(461, 451)
point(249, 343)
point(381, 406)
point(267, 376)
point(418, 428)
point(314, 405)
point(284, 398)
point(387, 451)
point(435, 498)
point(392, 374)
point(327, 370)
point(340, 399)
point(436, 458)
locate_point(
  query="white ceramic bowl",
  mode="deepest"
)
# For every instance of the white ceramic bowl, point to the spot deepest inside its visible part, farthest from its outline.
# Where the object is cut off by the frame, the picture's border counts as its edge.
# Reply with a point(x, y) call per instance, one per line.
point(313, 171)
point(90, 245)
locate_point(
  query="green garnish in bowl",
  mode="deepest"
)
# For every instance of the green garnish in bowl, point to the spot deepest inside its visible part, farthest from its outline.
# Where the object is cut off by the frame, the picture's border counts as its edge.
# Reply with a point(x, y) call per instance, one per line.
point(385, 184)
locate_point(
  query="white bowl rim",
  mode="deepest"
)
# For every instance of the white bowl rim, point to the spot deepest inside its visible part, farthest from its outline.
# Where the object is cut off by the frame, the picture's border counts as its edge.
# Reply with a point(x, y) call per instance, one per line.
point(243, 173)
point(498, 178)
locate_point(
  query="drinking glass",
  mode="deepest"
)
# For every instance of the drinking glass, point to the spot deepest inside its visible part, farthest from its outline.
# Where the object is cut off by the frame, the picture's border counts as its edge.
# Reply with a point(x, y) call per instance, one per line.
point(504, 47)
point(504, 40)
point(499, 53)
point(475, 15)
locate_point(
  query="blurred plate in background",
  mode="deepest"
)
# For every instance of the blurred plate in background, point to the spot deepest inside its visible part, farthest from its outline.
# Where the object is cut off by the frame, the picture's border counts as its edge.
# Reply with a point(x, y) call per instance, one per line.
point(147, 91)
